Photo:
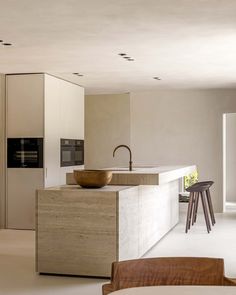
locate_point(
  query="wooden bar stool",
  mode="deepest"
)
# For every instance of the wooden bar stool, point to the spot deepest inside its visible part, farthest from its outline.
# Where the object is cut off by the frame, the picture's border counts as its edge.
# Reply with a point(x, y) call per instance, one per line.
point(209, 202)
point(202, 189)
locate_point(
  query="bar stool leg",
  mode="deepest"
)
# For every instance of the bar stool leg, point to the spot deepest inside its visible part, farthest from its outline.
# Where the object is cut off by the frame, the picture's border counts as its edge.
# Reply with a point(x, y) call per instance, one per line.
point(213, 221)
point(189, 212)
point(195, 208)
point(205, 212)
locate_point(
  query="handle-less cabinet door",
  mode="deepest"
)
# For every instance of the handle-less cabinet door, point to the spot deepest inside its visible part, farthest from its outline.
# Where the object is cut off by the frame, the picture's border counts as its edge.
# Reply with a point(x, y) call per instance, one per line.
point(21, 188)
point(25, 105)
point(25, 119)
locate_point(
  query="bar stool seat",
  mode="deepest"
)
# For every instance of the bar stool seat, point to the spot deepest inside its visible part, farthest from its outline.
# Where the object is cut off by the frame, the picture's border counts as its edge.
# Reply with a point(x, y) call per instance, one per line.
point(203, 189)
point(209, 202)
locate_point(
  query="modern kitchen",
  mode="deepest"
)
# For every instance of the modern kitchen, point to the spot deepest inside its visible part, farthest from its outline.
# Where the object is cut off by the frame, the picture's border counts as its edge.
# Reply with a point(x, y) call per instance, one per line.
point(106, 160)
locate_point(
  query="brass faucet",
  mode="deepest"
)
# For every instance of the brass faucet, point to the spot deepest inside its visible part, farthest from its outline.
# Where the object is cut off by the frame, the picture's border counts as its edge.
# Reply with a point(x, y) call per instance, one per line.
point(130, 154)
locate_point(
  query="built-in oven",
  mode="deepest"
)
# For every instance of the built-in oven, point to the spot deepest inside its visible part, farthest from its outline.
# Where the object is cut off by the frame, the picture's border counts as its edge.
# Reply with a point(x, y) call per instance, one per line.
point(72, 152)
point(25, 152)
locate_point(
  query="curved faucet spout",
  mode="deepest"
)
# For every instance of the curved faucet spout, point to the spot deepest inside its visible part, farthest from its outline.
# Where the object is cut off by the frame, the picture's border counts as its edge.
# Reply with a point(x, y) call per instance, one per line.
point(130, 154)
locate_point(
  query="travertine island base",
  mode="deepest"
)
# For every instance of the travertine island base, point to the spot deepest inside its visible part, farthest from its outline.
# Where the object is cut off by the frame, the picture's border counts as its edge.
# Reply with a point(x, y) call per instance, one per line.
point(82, 231)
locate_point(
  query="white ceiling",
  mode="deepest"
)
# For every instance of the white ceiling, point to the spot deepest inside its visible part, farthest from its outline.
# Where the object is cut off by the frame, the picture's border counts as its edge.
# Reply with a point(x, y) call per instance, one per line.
point(187, 43)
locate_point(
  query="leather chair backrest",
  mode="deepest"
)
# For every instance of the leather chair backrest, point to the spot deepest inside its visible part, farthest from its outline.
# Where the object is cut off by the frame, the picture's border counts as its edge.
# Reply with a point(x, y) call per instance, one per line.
point(167, 271)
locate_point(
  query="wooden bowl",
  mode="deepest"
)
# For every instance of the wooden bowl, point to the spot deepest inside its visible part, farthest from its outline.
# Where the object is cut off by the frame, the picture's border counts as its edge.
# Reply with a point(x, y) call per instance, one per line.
point(92, 178)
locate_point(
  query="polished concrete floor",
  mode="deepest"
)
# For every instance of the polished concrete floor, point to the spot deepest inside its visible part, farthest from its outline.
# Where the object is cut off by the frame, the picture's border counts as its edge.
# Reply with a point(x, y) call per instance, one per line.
point(221, 242)
point(17, 266)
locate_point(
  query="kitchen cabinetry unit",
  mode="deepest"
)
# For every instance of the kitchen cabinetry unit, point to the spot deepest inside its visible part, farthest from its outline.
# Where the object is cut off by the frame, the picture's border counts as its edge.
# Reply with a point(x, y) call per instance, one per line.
point(63, 118)
point(82, 231)
point(39, 105)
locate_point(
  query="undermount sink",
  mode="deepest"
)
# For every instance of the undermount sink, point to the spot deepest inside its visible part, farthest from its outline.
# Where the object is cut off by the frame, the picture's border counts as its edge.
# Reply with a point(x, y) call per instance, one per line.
point(121, 169)
point(135, 168)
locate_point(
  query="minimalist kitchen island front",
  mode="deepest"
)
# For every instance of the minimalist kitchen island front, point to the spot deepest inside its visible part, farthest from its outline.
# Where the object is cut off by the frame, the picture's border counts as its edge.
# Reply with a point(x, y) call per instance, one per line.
point(82, 231)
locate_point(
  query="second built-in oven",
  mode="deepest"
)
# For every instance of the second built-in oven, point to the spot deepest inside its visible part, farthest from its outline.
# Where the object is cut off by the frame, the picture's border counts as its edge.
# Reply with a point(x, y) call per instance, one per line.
point(72, 152)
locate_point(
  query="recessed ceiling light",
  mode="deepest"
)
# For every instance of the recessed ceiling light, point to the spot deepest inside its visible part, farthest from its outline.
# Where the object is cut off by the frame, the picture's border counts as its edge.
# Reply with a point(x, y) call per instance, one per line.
point(78, 74)
point(7, 44)
point(125, 56)
point(157, 78)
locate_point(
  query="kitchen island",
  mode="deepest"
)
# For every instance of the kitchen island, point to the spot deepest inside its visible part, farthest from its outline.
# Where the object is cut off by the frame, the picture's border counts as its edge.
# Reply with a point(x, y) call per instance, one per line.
point(82, 231)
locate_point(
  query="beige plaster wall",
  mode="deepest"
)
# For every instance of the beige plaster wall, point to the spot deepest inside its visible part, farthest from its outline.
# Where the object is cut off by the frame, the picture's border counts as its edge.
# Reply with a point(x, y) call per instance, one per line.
point(2, 151)
point(182, 127)
point(107, 124)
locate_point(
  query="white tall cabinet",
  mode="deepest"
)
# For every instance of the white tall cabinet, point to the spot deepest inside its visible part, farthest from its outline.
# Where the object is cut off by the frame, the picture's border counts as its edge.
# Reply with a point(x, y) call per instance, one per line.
point(39, 105)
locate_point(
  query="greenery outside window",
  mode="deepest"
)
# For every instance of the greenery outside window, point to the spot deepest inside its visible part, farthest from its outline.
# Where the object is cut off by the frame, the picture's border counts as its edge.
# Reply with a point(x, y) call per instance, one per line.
point(190, 179)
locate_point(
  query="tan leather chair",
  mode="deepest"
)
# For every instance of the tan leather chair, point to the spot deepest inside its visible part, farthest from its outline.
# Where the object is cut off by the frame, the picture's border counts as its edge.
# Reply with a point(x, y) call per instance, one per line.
point(167, 271)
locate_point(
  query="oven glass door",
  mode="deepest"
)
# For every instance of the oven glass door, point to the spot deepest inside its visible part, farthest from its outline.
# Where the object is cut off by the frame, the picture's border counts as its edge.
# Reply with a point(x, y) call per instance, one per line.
point(67, 157)
point(25, 152)
point(72, 152)
point(79, 152)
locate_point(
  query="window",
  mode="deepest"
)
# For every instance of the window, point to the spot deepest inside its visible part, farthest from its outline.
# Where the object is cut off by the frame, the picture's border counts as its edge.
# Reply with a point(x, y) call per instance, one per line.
point(190, 179)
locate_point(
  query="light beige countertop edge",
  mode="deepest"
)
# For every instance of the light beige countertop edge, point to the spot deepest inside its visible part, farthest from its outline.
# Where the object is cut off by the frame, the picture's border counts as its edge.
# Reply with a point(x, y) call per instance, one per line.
point(74, 187)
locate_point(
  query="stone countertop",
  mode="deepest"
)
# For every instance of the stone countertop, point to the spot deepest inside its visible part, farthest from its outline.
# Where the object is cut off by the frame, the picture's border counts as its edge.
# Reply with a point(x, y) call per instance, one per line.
point(144, 175)
point(151, 169)
point(74, 188)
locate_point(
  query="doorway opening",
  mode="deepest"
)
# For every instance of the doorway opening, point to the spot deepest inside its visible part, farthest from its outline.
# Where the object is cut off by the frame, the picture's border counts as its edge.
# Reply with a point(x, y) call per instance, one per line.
point(229, 162)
